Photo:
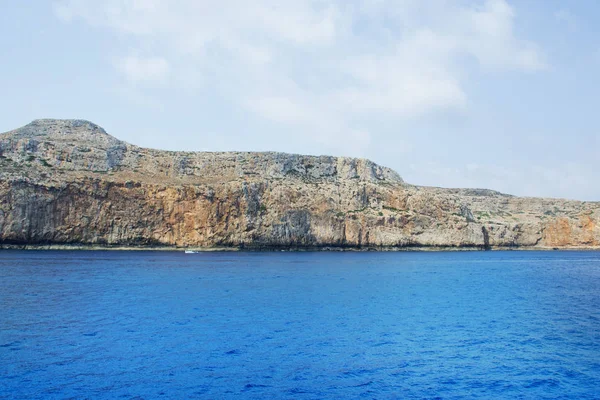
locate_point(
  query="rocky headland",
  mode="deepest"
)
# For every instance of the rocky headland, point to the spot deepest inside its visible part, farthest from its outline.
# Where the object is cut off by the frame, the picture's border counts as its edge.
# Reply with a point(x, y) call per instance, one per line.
point(69, 183)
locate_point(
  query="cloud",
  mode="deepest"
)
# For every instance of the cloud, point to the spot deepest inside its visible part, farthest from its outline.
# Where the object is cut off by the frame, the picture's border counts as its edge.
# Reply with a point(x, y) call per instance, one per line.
point(319, 66)
point(140, 70)
point(488, 34)
point(281, 109)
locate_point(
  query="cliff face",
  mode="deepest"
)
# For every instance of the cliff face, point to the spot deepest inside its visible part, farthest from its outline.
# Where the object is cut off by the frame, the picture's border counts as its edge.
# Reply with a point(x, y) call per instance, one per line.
point(69, 182)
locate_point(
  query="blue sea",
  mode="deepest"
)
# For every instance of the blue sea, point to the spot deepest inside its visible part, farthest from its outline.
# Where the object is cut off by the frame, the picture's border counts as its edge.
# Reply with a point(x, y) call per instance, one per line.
point(307, 325)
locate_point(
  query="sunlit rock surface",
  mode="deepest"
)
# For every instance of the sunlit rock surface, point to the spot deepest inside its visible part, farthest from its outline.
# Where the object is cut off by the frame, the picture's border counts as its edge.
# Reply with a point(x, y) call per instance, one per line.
point(69, 182)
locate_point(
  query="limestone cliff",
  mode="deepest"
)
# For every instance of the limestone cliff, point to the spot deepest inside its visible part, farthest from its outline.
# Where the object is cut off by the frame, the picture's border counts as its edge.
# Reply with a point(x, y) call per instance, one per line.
point(69, 182)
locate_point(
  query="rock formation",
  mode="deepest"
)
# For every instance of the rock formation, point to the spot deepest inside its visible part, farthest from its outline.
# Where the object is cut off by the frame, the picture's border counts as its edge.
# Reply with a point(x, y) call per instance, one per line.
point(67, 182)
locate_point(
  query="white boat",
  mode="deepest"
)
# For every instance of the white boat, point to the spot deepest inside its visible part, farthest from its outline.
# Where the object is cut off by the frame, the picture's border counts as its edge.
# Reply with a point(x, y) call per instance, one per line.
point(190, 252)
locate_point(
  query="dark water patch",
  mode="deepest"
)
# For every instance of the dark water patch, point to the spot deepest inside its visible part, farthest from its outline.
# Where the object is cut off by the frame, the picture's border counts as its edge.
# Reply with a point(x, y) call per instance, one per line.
point(369, 383)
point(251, 386)
point(542, 382)
point(298, 391)
point(11, 344)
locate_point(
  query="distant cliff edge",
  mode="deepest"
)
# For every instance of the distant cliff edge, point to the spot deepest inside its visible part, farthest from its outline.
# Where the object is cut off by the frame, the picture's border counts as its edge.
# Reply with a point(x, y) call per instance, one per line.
point(68, 182)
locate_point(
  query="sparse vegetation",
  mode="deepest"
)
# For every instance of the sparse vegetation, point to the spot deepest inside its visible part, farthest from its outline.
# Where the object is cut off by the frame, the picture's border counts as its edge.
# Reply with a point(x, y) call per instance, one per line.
point(357, 211)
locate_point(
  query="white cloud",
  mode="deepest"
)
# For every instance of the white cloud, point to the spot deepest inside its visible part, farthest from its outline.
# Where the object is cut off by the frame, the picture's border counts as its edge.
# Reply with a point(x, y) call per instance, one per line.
point(488, 35)
point(280, 109)
point(140, 70)
point(315, 65)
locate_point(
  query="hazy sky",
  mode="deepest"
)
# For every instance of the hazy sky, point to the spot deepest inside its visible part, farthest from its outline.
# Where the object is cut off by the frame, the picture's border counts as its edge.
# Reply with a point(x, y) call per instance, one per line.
point(496, 94)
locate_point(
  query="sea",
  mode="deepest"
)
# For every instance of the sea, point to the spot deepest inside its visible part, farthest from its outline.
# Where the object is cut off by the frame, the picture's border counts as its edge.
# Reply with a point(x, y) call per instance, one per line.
point(299, 325)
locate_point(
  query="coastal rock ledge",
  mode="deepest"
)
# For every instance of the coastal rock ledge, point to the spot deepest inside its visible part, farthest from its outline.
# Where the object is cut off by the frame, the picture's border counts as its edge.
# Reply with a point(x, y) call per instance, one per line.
point(68, 182)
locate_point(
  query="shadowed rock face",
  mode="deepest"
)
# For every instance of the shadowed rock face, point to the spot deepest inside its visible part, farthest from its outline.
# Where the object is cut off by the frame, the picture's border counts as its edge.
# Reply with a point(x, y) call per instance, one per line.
point(69, 182)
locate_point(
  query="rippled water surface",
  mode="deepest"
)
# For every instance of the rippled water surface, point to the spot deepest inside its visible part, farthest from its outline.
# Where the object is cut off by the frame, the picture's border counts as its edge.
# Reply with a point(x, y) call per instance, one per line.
point(299, 325)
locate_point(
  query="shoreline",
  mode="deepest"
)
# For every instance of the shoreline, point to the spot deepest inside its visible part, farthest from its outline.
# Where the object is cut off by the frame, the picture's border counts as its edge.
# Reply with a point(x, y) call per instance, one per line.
point(274, 249)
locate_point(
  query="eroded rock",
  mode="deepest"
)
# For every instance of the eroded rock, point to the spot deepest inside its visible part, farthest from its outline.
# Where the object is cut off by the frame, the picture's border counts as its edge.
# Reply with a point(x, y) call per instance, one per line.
point(68, 181)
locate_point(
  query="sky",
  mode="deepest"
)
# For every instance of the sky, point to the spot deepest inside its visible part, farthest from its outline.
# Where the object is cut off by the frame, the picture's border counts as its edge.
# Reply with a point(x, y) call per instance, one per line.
point(491, 94)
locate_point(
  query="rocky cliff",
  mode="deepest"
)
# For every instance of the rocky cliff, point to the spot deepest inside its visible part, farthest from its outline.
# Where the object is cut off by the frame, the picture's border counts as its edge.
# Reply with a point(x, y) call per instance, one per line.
point(68, 182)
